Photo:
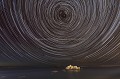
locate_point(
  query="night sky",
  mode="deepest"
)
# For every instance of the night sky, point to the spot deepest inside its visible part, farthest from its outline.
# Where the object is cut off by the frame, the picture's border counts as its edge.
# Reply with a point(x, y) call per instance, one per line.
point(59, 32)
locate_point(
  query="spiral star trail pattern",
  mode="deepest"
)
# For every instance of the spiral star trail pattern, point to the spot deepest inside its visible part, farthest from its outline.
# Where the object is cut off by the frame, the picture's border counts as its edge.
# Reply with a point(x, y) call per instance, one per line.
point(59, 32)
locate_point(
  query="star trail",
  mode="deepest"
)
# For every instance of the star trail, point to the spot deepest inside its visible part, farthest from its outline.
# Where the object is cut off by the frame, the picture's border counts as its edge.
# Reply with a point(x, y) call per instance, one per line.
point(59, 32)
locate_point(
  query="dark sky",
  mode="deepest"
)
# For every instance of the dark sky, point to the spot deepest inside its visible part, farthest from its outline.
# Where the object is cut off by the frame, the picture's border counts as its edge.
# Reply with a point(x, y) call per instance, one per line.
point(59, 32)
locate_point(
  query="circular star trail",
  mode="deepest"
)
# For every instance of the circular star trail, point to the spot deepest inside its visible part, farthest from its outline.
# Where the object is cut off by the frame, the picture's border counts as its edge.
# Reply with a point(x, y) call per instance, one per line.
point(60, 32)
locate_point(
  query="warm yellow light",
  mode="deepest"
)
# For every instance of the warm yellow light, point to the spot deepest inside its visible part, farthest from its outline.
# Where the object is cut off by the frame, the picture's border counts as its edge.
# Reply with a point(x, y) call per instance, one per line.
point(70, 67)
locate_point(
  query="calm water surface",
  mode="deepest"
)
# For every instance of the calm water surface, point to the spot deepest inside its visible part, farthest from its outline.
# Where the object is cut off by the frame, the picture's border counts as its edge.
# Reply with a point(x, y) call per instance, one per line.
point(84, 73)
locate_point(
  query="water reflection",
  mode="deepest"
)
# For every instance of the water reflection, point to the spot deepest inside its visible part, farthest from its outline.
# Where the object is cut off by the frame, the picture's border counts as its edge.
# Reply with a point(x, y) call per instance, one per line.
point(72, 71)
point(60, 74)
